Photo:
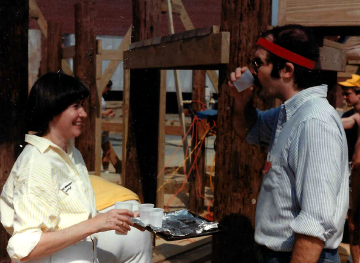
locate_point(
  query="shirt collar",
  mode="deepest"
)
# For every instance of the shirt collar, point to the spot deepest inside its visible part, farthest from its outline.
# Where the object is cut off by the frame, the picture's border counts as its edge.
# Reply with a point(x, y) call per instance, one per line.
point(292, 104)
point(43, 144)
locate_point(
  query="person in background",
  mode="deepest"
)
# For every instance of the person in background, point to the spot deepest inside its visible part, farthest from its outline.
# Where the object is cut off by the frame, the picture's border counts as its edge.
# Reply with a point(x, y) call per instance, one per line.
point(303, 200)
point(136, 246)
point(105, 141)
point(351, 120)
point(47, 204)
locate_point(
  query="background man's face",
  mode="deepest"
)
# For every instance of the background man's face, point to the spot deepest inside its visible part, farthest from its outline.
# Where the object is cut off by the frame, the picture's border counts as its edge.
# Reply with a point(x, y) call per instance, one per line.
point(350, 96)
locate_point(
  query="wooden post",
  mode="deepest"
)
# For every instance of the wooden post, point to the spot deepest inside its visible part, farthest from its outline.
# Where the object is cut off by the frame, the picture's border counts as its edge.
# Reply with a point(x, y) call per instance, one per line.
point(142, 143)
point(54, 46)
point(14, 89)
point(98, 156)
point(85, 70)
point(161, 143)
point(179, 95)
point(238, 164)
point(197, 178)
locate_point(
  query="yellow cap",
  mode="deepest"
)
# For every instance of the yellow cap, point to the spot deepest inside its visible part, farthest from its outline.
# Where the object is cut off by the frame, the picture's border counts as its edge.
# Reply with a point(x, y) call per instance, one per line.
point(353, 82)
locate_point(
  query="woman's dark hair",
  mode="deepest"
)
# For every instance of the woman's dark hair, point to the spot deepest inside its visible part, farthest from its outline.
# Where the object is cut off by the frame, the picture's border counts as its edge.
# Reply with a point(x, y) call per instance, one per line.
point(299, 40)
point(51, 94)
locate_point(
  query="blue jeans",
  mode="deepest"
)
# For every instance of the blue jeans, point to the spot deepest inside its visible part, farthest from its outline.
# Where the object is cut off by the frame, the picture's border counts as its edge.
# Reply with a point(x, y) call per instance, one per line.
point(267, 256)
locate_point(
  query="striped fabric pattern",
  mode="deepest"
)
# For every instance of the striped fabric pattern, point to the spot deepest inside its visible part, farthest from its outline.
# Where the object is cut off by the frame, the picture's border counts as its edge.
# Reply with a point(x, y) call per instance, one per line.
point(47, 190)
point(306, 189)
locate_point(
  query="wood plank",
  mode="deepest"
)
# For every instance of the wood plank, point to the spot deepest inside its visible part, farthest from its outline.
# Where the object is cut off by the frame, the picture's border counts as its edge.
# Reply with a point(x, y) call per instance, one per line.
point(41, 20)
point(332, 59)
point(98, 139)
point(282, 12)
point(117, 126)
point(184, 17)
point(113, 55)
point(54, 41)
point(66, 68)
point(126, 105)
point(161, 141)
point(213, 76)
point(319, 13)
point(176, 9)
point(197, 176)
point(329, 43)
point(33, 13)
point(351, 69)
point(210, 50)
point(68, 52)
point(172, 186)
point(114, 64)
point(207, 31)
point(165, 250)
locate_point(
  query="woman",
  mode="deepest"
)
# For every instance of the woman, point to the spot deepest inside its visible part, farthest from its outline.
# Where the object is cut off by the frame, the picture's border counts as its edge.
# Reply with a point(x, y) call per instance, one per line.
point(47, 204)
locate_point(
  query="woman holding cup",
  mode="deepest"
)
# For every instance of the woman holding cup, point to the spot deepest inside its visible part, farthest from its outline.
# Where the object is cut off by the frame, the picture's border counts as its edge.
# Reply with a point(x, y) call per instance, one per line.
point(47, 204)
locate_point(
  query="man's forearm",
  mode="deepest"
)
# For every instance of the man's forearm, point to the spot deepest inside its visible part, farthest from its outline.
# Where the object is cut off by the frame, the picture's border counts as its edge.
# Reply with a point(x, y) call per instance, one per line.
point(306, 249)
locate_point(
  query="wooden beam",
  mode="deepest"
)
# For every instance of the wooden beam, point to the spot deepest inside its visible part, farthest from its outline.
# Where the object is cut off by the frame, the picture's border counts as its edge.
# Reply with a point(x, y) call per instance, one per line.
point(210, 50)
point(319, 13)
point(197, 177)
point(85, 70)
point(114, 64)
point(98, 121)
point(176, 9)
point(41, 20)
point(161, 141)
point(185, 19)
point(33, 13)
point(14, 89)
point(54, 42)
point(68, 52)
point(332, 59)
point(125, 109)
point(178, 91)
point(113, 55)
point(66, 68)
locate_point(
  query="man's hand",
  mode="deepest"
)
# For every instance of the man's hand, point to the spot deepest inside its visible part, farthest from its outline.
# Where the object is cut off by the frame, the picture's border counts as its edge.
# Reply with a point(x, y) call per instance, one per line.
point(307, 249)
point(244, 113)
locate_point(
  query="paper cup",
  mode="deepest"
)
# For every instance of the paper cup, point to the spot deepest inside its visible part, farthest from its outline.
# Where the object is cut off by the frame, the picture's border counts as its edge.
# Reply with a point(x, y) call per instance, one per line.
point(156, 217)
point(245, 81)
point(144, 211)
point(122, 205)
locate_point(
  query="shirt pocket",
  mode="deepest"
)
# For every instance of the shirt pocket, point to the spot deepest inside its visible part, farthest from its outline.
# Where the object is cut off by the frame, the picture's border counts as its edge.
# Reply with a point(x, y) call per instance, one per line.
point(273, 176)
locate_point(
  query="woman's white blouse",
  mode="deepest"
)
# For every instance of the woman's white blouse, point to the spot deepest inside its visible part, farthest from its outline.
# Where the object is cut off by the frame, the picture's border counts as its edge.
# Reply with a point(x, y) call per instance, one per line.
point(47, 190)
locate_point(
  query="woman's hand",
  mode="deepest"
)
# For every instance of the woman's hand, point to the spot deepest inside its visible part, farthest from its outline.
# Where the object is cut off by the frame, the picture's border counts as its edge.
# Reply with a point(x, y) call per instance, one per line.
point(115, 219)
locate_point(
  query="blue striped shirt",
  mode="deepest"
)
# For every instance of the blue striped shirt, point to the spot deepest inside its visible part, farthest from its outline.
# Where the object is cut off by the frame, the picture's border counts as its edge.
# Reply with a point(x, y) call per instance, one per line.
point(306, 189)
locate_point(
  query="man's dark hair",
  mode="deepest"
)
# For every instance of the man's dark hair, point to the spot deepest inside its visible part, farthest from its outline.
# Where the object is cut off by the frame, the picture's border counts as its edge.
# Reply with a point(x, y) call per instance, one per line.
point(299, 40)
point(51, 94)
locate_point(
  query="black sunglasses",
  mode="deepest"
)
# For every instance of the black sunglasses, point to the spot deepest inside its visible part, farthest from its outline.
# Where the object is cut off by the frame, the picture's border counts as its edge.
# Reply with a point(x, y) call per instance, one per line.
point(257, 64)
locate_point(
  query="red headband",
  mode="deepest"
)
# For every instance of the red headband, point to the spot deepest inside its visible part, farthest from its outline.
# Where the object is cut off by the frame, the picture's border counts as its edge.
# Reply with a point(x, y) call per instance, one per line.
point(285, 54)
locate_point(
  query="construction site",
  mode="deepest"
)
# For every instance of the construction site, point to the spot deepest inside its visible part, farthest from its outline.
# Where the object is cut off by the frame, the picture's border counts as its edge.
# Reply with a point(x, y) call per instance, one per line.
point(162, 67)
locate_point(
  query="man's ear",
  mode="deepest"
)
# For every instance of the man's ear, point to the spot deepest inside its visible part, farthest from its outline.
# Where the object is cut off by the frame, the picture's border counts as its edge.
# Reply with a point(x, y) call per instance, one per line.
point(288, 70)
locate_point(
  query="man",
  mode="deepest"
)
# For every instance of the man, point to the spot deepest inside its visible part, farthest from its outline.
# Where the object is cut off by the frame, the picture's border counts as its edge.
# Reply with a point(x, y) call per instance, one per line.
point(303, 199)
point(350, 119)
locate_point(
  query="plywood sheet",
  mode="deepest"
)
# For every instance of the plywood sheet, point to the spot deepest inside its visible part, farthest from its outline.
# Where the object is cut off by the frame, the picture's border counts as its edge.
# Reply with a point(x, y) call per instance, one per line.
point(319, 13)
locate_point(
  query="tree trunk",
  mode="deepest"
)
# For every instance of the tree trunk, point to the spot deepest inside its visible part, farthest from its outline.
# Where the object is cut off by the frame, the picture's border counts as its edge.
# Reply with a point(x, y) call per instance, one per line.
point(197, 177)
point(13, 89)
point(142, 143)
point(85, 70)
point(54, 46)
point(238, 164)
